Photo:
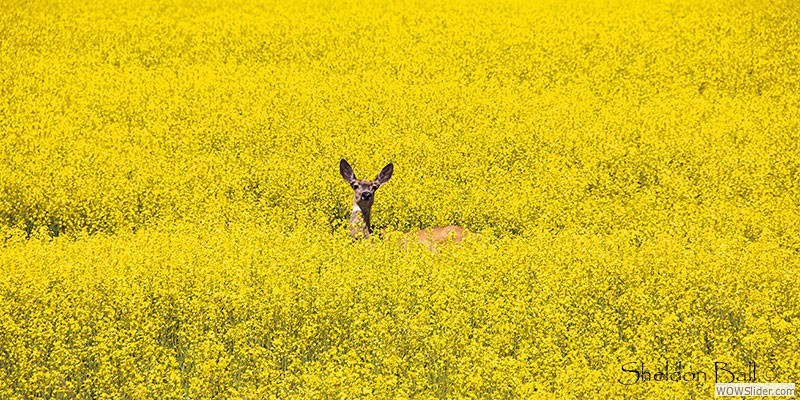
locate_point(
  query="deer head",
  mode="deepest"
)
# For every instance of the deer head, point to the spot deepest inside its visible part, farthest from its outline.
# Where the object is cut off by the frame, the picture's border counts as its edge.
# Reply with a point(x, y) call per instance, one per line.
point(363, 196)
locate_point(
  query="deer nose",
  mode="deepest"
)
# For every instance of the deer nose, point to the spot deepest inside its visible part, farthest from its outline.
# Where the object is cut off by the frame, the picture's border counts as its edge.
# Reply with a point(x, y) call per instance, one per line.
point(366, 196)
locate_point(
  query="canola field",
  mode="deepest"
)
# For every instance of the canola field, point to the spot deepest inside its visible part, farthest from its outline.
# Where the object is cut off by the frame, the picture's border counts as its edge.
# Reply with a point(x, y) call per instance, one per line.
point(173, 223)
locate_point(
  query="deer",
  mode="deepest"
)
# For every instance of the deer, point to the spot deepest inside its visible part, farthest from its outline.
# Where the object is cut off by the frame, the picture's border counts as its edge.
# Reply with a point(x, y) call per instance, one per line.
point(363, 198)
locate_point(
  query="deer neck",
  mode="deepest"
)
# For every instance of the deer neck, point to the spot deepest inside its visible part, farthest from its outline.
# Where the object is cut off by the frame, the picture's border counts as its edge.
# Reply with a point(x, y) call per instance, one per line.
point(359, 221)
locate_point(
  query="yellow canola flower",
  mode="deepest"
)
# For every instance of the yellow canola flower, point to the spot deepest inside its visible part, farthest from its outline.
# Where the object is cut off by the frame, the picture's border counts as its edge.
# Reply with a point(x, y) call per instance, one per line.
point(173, 225)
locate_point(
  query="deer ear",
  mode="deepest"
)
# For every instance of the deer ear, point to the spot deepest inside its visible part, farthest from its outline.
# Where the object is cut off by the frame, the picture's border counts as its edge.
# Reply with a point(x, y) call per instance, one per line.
point(347, 171)
point(385, 174)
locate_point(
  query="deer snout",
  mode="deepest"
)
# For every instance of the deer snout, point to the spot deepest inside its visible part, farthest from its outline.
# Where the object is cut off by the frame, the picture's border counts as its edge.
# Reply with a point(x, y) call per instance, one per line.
point(366, 196)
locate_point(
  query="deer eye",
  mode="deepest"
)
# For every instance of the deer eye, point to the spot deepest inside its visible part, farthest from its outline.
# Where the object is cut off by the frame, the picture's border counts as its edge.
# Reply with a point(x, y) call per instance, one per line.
point(355, 186)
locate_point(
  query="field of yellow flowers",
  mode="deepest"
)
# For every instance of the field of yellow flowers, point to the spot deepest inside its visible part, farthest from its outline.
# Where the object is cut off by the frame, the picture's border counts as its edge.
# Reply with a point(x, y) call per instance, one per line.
point(173, 223)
